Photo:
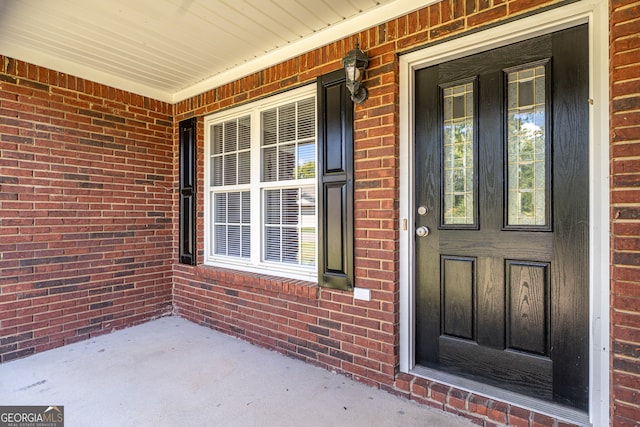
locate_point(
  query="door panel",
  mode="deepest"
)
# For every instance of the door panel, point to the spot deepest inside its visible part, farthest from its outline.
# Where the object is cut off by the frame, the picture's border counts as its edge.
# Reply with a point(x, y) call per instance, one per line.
point(502, 170)
point(458, 283)
point(527, 307)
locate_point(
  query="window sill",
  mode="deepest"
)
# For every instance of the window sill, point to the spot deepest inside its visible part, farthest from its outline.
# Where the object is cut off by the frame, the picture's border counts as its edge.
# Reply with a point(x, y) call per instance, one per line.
point(259, 281)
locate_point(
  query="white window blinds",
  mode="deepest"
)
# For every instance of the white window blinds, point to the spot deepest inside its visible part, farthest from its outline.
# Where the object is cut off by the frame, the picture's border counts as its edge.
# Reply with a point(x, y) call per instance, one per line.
point(231, 166)
point(261, 175)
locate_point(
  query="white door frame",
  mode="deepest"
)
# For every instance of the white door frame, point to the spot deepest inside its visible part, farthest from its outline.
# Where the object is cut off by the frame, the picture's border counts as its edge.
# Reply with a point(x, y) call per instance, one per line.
point(595, 13)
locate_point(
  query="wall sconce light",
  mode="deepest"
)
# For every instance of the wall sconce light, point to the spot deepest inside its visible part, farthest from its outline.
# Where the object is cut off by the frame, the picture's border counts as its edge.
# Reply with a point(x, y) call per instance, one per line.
point(355, 62)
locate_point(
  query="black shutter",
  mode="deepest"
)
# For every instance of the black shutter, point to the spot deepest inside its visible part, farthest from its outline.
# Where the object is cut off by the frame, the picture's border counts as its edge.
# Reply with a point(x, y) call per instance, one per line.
point(188, 191)
point(335, 182)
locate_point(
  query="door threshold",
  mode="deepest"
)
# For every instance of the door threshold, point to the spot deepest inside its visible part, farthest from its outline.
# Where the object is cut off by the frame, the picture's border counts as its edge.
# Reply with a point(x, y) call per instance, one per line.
point(560, 412)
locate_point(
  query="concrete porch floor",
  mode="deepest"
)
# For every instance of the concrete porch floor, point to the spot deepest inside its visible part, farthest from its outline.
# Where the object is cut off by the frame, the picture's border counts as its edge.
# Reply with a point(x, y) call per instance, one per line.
point(171, 372)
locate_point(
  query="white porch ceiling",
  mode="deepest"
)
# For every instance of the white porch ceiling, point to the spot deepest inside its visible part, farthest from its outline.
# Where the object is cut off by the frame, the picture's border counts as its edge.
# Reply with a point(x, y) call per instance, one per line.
point(173, 49)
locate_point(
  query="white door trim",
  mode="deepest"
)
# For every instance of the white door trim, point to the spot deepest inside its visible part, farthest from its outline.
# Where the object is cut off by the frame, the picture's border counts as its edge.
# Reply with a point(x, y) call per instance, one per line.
point(594, 12)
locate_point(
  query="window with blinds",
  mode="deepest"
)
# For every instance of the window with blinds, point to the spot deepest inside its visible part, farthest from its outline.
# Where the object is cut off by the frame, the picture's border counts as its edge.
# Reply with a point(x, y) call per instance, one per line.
point(288, 150)
point(260, 210)
point(230, 182)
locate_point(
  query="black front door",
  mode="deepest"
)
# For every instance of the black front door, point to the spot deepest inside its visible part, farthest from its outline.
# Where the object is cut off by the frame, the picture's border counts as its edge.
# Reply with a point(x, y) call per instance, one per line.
point(502, 209)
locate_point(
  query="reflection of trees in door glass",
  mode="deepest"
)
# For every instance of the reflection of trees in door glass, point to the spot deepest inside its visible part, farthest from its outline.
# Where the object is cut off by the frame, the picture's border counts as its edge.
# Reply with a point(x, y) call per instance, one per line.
point(526, 170)
point(458, 161)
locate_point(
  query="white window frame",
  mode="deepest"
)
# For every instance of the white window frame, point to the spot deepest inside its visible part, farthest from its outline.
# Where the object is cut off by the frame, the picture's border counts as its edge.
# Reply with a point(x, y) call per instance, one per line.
point(255, 263)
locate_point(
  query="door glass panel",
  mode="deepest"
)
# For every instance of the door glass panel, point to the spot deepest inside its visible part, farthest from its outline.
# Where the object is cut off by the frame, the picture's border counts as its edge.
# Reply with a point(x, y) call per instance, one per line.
point(458, 155)
point(526, 148)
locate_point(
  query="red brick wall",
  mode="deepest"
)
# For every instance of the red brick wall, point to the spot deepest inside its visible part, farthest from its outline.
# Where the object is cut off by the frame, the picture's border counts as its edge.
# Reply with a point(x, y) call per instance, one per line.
point(86, 183)
point(87, 203)
point(625, 203)
point(328, 327)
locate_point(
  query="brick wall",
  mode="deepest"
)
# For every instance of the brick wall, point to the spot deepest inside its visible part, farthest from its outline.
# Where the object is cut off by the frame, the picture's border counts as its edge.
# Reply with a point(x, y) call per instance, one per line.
point(87, 203)
point(326, 327)
point(86, 187)
point(625, 203)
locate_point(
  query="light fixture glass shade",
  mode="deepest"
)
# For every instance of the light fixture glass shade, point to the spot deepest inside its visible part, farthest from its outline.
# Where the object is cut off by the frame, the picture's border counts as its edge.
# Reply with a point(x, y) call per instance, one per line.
point(351, 71)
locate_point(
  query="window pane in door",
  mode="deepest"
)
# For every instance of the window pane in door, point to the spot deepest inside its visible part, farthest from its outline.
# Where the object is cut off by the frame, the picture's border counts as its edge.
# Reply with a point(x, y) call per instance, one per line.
point(526, 148)
point(458, 155)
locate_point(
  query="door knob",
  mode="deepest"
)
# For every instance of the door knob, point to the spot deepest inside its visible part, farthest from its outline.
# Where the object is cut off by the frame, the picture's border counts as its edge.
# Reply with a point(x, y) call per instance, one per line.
point(422, 231)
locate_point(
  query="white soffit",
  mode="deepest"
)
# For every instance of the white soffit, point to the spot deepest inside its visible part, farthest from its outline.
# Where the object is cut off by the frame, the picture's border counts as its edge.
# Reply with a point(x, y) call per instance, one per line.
point(174, 49)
